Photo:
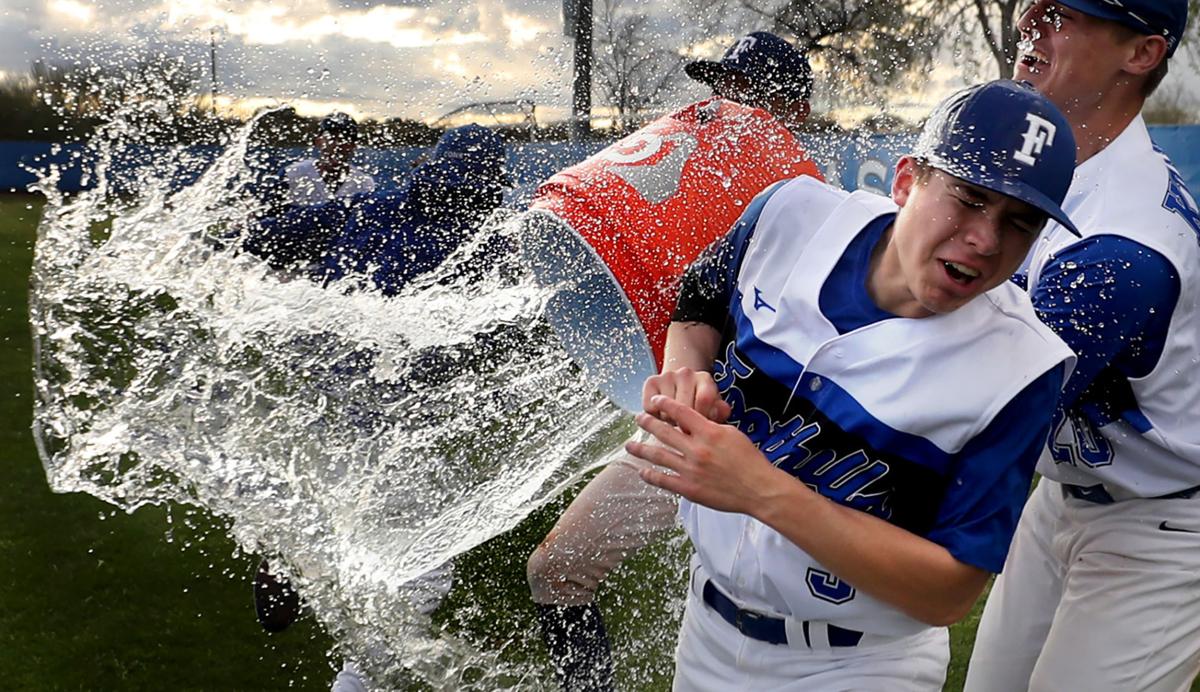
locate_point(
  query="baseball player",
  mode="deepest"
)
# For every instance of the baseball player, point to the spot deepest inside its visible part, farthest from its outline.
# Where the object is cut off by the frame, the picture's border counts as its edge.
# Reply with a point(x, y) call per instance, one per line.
point(391, 238)
point(889, 391)
point(396, 235)
point(616, 513)
point(311, 203)
point(330, 175)
point(1102, 588)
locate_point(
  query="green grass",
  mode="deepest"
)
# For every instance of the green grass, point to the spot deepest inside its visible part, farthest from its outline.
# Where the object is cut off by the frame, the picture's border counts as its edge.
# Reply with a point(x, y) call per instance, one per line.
point(95, 599)
point(92, 599)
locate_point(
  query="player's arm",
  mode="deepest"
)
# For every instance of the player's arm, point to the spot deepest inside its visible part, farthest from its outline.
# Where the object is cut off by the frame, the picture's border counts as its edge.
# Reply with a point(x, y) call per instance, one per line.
point(936, 579)
point(1110, 299)
point(694, 335)
point(911, 573)
point(686, 374)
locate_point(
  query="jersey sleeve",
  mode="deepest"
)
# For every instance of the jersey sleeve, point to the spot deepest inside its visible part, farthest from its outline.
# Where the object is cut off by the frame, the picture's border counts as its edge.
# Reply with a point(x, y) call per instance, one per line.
point(299, 235)
point(707, 286)
point(983, 500)
point(1110, 299)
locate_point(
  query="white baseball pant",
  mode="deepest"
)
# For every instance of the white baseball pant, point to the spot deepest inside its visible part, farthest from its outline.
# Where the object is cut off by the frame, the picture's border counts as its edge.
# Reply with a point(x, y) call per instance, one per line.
point(1102, 598)
point(713, 656)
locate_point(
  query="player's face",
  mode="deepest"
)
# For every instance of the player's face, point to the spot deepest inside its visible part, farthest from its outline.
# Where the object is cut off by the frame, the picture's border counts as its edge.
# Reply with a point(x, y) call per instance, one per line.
point(951, 242)
point(336, 150)
point(1071, 57)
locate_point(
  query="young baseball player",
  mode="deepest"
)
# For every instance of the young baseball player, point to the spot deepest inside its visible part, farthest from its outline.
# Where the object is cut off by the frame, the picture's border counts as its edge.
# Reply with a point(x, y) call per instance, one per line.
point(330, 175)
point(889, 391)
point(1102, 587)
point(617, 513)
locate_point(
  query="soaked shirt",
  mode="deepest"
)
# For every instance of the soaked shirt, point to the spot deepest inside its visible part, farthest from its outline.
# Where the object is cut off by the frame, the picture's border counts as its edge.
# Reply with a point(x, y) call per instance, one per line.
point(854, 443)
point(1126, 298)
point(1111, 299)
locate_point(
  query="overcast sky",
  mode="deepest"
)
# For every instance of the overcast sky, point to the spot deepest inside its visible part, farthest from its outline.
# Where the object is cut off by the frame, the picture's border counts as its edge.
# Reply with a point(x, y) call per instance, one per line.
point(402, 57)
point(412, 58)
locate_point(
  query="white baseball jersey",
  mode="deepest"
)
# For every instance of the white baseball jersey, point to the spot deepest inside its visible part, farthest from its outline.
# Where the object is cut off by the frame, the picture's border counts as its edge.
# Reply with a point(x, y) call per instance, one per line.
point(925, 423)
point(1147, 444)
point(306, 186)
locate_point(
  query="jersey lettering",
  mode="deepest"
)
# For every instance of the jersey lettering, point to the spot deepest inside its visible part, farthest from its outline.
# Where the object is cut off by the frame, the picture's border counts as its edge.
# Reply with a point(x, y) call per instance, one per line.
point(1178, 200)
point(851, 477)
point(826, 587)
point(1075, 441)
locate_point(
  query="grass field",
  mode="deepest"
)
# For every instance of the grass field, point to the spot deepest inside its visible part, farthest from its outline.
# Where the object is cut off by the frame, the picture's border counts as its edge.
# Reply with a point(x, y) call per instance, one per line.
point(92, 599)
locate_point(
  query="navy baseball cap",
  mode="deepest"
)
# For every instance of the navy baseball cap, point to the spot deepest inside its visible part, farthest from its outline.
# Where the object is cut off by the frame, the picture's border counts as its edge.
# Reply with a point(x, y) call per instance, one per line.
point(769, 62)
point(1008, 138)
point(1166, 18)
point(338, 125)
point(474, 148)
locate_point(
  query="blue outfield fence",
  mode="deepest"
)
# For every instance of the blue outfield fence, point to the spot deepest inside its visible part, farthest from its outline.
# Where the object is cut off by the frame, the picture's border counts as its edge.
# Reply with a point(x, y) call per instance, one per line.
point(854, 162)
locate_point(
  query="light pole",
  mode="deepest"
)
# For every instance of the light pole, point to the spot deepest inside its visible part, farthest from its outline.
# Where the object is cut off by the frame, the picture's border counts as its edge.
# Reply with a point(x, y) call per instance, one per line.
point(581, 93)
point(212, 61)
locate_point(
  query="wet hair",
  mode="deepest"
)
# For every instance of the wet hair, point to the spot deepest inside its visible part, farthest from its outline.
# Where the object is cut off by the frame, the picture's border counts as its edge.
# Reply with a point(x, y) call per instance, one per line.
point(922, 169)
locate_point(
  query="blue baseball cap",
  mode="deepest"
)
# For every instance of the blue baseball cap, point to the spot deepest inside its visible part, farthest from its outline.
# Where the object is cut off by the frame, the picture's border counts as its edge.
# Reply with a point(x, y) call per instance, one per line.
point(338, 125)
point(1008, 138)
point(475, 149)
point(1166, 18)
point(772, 65)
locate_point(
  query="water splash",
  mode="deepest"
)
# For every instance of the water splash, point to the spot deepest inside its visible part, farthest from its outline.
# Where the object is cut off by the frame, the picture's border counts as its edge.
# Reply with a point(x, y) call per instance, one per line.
point(364, 439)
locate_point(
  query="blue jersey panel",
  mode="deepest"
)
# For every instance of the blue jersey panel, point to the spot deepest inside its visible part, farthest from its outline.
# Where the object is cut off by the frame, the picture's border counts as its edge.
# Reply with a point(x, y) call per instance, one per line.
point(844, 299)
point(990, 481)
point(1111, 299)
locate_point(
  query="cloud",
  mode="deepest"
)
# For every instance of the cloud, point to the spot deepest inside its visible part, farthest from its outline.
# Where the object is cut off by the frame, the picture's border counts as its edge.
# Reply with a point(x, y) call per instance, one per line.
point(72, 12)
point(270, 23)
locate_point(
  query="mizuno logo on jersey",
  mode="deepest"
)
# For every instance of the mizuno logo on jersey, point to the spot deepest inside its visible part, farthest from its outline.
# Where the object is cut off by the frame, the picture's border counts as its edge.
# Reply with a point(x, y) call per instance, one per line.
point(759, 303)
point(1040, 133)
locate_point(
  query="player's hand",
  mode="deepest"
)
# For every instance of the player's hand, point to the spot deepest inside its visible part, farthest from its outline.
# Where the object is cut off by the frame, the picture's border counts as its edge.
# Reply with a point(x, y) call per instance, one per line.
point(714, 465)
point(692, 388)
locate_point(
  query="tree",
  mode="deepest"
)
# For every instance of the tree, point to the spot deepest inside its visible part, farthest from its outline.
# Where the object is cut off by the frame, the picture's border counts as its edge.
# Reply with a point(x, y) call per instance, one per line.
point(634, 72)
point(154, 97)
point(865, 43)
point(1172, 105)
point(993, 21)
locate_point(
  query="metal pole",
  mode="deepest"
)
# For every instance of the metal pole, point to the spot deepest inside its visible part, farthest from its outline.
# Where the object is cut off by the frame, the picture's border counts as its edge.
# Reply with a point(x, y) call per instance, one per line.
point(581, 101)
point(212, 59)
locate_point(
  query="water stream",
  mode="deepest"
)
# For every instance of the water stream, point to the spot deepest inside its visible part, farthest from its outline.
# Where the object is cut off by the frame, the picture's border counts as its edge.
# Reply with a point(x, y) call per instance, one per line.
point(361, 439)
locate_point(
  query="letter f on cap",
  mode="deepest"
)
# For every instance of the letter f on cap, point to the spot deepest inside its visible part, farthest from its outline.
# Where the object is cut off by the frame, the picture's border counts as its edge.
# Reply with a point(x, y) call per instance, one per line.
point(1040, 133)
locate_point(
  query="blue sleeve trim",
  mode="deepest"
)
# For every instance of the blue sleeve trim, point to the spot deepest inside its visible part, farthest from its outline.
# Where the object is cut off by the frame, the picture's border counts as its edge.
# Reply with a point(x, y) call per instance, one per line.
point(984, 496)
point(1111, 300)
point(1137, 420)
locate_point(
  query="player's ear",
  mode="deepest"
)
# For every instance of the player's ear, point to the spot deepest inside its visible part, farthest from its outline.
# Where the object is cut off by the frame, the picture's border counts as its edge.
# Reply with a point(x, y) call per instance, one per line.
point(907, 173)
point(1145, 54)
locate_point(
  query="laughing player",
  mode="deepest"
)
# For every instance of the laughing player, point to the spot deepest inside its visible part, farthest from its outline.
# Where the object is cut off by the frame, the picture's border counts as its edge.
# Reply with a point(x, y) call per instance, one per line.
point(1101, 592)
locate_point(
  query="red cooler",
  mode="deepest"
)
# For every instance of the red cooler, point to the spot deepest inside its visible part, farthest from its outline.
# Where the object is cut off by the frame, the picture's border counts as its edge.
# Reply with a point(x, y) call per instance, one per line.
point(614, 233)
